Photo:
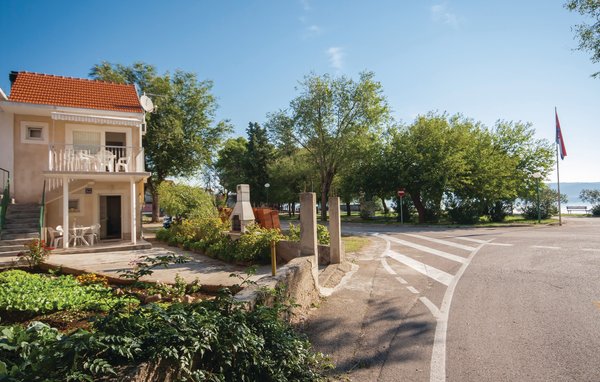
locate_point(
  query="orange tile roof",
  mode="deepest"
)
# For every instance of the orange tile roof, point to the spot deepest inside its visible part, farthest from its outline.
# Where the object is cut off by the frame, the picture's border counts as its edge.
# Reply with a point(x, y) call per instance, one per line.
point(47, 89)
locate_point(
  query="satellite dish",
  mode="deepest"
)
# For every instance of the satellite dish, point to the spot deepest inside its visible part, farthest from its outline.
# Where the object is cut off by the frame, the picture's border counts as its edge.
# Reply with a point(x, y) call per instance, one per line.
point(147, 103)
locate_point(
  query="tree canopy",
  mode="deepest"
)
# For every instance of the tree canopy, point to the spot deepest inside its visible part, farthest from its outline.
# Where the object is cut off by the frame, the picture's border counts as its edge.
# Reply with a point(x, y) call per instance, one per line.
point(588, 33)
point(330, 119)
point(182, 134)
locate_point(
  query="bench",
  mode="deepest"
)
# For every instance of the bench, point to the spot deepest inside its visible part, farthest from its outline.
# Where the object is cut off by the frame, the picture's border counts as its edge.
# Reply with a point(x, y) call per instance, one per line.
point(577, 208)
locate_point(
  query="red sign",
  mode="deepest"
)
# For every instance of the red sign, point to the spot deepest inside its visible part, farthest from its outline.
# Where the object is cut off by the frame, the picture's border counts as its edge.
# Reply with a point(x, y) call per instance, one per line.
point(401, 193)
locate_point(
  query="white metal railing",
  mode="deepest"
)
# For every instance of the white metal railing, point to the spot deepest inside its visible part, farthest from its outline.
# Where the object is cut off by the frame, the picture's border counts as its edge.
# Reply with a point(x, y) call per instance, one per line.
point(93, 158)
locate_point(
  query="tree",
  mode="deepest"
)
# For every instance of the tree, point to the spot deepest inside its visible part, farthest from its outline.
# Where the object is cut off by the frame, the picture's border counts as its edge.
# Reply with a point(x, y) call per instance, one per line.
point(289, 175)
point(182, 134)
point(425, 158)
point(590, 196)
point(231, 164)
point(184, 201)
point(259, 155)
point(588, 34)
point(331, 119)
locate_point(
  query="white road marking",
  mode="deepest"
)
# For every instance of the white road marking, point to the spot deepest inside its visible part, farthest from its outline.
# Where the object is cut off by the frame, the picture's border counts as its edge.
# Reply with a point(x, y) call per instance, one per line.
point(438, 355)
point(413, 290)
point(431, 306)
point(440, 241)
point(422, 248)
point(431, 272)
point(387, 267)
point(544, 247)
point(483, 242)
point(402, 281)
point(471, 240)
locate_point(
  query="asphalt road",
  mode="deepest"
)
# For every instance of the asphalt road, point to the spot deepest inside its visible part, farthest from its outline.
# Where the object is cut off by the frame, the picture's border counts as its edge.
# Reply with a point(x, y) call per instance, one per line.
point(483, 304)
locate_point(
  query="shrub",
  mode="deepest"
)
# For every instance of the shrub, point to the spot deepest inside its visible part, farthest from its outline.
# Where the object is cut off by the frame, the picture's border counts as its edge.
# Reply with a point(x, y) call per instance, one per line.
point(322, 234)
point(463, 211)
point(36, 252)
point(498, 211)
point(596, 210)
point(255, 244)
point(210, 341)
point(368, 209)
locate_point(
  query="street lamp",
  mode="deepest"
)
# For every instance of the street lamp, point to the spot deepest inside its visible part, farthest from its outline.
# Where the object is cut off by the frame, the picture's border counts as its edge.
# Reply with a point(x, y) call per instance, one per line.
point(267, 185)
point(537, 175)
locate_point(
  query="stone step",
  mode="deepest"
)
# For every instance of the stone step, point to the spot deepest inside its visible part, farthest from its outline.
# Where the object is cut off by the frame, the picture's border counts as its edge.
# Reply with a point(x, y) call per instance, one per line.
point(11, 229)
point(15, 242)
point(13, 236)
point(14, 253)
point(23, 207)
point(14, 215)
point(11, 247)
point(21, 225)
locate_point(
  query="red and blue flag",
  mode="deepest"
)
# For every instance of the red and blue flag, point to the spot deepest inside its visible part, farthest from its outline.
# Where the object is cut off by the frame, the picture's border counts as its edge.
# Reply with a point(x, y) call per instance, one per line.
point(559, 138)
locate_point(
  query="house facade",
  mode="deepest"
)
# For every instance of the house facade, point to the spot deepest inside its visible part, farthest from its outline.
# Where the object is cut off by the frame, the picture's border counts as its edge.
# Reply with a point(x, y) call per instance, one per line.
point(74, 146)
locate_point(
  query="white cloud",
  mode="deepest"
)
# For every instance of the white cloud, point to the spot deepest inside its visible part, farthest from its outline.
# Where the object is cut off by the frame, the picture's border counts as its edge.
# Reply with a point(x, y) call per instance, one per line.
point(440, 13)
point(336, 57)
point(312, 31)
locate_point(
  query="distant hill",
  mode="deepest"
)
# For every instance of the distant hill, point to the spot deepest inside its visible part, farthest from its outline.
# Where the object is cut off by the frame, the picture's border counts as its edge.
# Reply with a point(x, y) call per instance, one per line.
point(572, 190)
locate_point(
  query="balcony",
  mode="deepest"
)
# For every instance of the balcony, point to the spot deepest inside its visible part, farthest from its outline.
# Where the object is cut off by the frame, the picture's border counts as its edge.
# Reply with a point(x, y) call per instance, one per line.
point(95, 159)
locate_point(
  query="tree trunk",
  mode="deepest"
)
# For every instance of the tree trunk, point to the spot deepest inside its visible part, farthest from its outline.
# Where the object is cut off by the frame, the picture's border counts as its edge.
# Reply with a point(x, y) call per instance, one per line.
point(386, 210)
point(325, 186)
point(348, 212)
point(293, 208)
point(155, 206)
point(416, 198)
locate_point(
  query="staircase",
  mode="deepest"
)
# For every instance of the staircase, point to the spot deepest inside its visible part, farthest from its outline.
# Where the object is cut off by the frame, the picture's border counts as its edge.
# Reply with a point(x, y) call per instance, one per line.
point(22, 225)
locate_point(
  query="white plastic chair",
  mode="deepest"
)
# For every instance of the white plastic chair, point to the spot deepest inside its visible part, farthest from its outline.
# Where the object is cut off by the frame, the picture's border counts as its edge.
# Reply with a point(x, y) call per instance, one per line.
point(123, 163)
point(93, 236)
point(56, 236)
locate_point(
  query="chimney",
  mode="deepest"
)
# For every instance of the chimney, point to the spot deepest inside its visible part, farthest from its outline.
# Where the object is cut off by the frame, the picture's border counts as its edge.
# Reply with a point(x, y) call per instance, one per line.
point(12, 77)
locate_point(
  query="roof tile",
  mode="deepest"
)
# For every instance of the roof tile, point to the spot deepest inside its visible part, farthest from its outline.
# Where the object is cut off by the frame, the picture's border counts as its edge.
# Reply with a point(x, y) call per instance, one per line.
point(45, 89)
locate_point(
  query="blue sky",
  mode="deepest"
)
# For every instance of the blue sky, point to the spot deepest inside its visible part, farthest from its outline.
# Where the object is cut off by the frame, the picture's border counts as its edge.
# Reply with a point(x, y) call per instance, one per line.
point(488, 60)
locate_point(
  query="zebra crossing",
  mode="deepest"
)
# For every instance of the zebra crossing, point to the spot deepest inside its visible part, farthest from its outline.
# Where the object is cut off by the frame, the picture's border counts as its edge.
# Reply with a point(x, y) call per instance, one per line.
point(419, 253)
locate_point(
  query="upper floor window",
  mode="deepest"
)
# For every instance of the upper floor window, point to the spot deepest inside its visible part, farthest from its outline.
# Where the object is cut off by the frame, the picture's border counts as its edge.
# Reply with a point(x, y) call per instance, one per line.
point(34, 132)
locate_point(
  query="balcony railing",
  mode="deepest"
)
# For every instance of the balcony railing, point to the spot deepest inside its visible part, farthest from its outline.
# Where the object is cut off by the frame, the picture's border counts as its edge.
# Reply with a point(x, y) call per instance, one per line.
point(93, 158)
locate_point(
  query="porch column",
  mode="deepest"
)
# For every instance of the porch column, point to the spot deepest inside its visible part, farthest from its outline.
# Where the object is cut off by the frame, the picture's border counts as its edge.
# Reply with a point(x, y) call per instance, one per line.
point(65, 212)
point(133, 212)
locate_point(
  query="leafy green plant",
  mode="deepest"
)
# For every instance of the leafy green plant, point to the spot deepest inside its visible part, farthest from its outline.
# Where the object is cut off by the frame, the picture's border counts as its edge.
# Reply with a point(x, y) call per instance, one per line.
point(212, 341)
point(145, 265)
point(36, 252)
point(322, 234)
point(49, 294)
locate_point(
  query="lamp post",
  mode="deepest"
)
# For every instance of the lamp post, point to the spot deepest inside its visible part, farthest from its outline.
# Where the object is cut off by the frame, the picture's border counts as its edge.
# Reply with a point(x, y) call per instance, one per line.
point(537, 176)
point(267, 185)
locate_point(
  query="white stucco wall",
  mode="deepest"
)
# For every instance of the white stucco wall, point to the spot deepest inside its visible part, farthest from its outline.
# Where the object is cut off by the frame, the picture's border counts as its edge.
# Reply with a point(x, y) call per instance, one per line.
point(6, 142)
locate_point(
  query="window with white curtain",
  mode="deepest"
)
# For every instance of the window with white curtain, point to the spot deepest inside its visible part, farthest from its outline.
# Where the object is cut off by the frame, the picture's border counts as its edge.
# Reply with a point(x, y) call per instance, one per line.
point(87, 140)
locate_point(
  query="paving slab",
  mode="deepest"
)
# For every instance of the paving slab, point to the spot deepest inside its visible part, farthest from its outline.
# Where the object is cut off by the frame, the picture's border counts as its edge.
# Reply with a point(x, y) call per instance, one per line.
point(211, 273)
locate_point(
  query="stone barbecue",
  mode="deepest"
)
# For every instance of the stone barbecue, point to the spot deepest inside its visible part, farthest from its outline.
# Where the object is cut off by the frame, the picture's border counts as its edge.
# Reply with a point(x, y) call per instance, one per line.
point(242, 214)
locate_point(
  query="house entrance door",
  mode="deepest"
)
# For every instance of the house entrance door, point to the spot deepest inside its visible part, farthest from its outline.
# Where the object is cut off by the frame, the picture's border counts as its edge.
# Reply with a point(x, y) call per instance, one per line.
point(110, 217)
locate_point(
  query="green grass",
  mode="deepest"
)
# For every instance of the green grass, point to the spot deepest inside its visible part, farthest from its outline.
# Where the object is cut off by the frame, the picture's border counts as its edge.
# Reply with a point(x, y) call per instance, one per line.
point(354, 243)
point(391, 218)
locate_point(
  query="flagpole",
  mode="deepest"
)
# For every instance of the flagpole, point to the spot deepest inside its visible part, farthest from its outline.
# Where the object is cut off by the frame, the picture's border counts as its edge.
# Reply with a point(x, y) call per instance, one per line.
point(558, 173)
point(558, 184)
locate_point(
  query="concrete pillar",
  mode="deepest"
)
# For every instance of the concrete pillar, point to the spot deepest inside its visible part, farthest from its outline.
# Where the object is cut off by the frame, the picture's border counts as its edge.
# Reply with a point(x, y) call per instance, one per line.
point(308, 231)
point(335, 231)
point(133, 212)
point(65, 212)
